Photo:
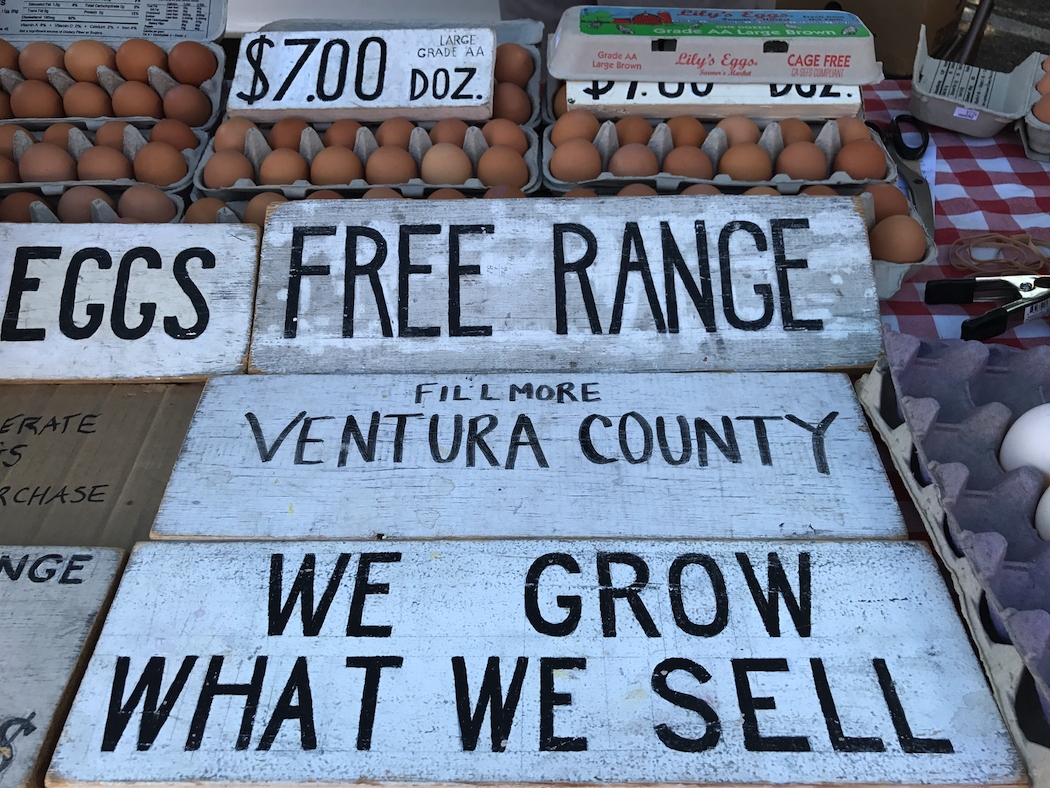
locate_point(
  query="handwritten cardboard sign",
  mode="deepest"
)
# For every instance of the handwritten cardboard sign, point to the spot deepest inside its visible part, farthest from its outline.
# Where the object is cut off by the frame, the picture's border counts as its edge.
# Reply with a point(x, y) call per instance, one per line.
point(646, 455)
point(108, 301)
point(51, 599)
point(534, 662)
point(613, 284)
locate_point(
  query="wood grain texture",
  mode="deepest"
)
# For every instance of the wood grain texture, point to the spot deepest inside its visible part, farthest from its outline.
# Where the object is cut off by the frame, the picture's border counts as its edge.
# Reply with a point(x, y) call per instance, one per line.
point(107, 302)
point(624, 695)
point(757, 455)
point(549, 284)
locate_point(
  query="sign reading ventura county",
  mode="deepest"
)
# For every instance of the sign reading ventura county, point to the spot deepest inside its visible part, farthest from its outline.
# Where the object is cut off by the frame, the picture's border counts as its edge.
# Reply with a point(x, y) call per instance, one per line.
point(535, 662)
point(747, 455)
point(615, 284)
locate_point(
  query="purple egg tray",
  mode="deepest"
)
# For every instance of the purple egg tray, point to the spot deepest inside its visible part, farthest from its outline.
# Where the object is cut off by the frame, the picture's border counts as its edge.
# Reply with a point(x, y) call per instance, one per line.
point(943, 408)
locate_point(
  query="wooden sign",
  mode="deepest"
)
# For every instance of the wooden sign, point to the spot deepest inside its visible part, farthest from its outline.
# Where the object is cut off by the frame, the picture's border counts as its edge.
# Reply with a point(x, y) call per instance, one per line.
point(534, 662)
point(571, 454)
point(110, 301)
point(374, 74)
point(51, 599)
point(612, 284)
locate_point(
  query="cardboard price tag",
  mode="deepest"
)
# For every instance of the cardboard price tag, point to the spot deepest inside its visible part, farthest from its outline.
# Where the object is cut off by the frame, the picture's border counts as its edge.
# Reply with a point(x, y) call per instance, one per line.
point(419, 74)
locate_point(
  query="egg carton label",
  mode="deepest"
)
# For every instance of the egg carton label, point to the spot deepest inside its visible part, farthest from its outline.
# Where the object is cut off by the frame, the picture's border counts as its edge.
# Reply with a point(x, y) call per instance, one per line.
point(373, 75)
point(104, 301)
point(533, 662)
point(756, 455)
point(68, 20)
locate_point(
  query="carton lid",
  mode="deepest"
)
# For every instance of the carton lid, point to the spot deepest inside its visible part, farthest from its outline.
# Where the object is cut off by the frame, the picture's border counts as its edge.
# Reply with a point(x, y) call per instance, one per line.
point(62, 22)
point(713, 45)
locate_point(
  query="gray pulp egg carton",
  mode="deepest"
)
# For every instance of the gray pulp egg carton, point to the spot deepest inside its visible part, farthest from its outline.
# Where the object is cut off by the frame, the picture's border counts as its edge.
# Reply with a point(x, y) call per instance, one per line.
point(943, 408)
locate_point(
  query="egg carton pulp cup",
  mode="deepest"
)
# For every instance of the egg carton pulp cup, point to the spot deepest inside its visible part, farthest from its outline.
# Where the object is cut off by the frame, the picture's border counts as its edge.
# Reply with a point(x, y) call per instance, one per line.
point(101, 213)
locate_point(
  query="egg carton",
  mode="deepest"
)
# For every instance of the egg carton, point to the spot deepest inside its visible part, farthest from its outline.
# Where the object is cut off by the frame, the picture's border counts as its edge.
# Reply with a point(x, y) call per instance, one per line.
point(256, 149)
point(714, 146)
point(101, 213)
point(943, 407)
point(134, 140)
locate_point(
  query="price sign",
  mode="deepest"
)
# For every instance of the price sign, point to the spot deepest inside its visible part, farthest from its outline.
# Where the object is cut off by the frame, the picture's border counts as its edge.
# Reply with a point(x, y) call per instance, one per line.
point(712, 100)
point(422, 74)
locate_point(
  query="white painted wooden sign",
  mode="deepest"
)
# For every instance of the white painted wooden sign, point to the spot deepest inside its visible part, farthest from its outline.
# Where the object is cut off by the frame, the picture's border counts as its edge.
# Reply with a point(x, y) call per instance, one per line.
point(612, 284)
point(420, 74)
point(535, 662)
point(51, 598)
point(112, 301)
point(568, 454)
point(608, 99)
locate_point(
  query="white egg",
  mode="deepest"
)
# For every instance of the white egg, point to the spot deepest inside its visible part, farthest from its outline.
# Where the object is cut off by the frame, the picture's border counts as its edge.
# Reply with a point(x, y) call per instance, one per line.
point(1028, 442)
point(1042, 517)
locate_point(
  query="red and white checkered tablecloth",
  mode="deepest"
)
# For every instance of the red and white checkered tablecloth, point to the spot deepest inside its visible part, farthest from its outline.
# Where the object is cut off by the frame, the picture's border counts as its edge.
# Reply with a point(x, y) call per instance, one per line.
point(981, 185)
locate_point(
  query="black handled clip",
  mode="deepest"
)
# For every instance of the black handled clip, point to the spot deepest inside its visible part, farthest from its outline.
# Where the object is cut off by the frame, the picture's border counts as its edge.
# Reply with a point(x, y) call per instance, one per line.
point(1028, 297)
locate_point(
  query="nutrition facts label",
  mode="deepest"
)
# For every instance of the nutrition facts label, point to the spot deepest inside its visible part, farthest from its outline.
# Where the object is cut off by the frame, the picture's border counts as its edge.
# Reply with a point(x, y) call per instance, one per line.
point(105, 18)
point(963, 83)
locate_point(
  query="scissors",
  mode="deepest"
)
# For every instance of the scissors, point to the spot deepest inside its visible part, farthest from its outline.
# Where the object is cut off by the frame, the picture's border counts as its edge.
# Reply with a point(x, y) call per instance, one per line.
point(907, 158)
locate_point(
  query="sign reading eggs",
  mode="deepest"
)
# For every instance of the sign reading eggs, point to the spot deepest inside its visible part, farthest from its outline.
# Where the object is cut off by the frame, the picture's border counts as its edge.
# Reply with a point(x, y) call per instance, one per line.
point(110, 302)
point(420, 74)
point(610, 284)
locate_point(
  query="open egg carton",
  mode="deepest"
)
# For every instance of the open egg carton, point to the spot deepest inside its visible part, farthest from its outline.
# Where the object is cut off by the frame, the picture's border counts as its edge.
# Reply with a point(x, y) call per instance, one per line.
point(943, 408)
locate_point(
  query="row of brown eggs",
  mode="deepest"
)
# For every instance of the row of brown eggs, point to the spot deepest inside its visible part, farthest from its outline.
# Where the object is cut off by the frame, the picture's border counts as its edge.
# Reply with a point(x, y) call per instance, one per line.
point(189, 62)
point(141, 203)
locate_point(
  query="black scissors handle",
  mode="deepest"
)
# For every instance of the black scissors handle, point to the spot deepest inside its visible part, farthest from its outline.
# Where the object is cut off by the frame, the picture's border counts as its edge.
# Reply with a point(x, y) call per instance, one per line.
point(896, 138)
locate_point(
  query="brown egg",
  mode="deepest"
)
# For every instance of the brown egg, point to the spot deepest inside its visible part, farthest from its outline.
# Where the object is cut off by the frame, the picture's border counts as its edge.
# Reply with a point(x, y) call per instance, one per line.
point(686, 130)
point(160, 164)
point(447, 194)
point(1041, 110)
point(58, 134)
point(286, 133)
point(560, 104)
point(86, 100)
point(230, 134)
point(503, 191)
point(111, 134)
point(192, 63)
point(636, 190)
point(632, 128)
point(147, 204)
point(702, 188)
point(767, 191)
point(381, 193)
point(255, 210)
point(47, 163)
point(746, 162)
point(175, 133)
point(634, 160)
point(15, 207)
point(1046, 64)
point(101, 163)
point(450, 130)
point(851, 129)
point(137, 99)
point(819, 190)
point(862, 160)
point(188, 104)
point(35, 59)
point(446, 162)
point(889, 200)
point(501, 166)
point(579, 191)
point(136, 55)
point(898, 239)
point(283, 166)
point(500, 131)
point(204, 211)
point(738, 129)
point(36, 99)
point(5, 107)
point(688, 161)
point(514, 64)
point(336, 165)
point(1043, 85)
point(395, 131)
point(574, 123)
point(793, 130)
point(324, 194)
point(8, 55)
point(802, 161)
point(74, 206)
point(8, 171)
point(511, 102)
point(342, 133)
point(390, 164)
point(7, 139)
point(83, 58)
point(576, 160)
point(225, 167)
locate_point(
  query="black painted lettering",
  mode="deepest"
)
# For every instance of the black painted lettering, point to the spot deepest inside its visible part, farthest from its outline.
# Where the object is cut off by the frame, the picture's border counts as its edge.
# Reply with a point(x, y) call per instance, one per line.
point(21, 284)
point(549, 699)
point(172, 327)
point(296, 272)
point(728, 446)
point(457, 438)
point(147, 691)
point(589, 395)
point(839, 740)
point(820, 456)
point(37, 493)
point(683, 700)
point(75, 564)
point(405, 269)
point(298, 685)
point(754, 741)
point(524, 425)
point(608, 593)
point(632, 239)
point(12, 572)
point(369, 269)
point(565, 393)
point(647, 439)
point(88, 420)
point(362, 589)
point(212, 689)
point(763, 291)
point(37, 575)
point(476, 439)
point(373, 667)
point(147, 309)
point(66, 324)
point(768, 600)
point(587, 445)
point(702, 296)
point(455, 270)
point(367, 448)
point(720, 617)
point(910, 743)
point(303, 590)
point(266, 453)
point(399, 432)
point(686, 441)
point(304, 438)
point(563, 268)
point(525, 390)
point(572, 605)
point(761, 436)
point(501, 712)
point(787, 310)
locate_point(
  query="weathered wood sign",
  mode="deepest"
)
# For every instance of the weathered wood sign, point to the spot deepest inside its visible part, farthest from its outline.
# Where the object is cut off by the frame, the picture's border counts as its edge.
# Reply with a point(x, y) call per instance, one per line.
point(611, 284)
point(420, 74)
point(107, 301)
point(586, 454)
point(51, 598)
point(536, 662)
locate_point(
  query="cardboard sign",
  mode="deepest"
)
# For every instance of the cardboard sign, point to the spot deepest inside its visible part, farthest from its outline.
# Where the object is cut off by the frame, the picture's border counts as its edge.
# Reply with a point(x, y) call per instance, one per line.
point(536, 662)
point(611, 284)
point(108, 301)
point(51, 598)
point(378, 74)
point(582, 455)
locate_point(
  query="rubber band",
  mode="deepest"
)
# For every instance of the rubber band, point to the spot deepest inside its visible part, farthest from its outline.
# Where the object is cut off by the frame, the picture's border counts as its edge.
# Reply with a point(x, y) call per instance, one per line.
point(1013, 254)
